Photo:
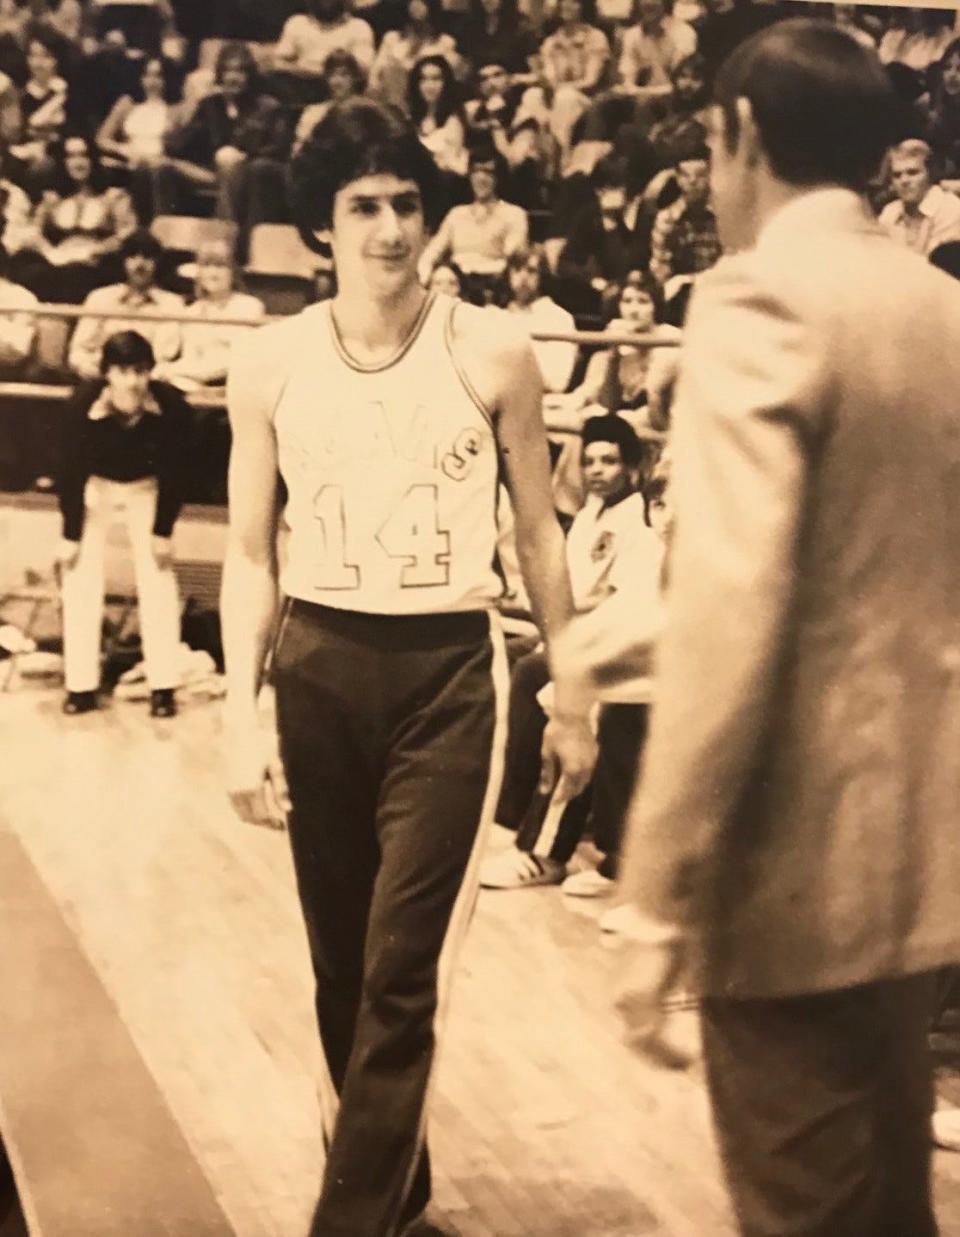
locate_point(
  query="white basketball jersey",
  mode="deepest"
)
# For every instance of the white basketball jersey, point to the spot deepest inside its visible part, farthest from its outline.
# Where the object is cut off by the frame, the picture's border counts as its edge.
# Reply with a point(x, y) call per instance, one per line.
point(391, 472)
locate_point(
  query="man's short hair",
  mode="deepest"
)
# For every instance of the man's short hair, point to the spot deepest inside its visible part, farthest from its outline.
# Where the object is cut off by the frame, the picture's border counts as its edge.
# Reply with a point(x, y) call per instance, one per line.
point(613, 429)
point(823, 104)
point(357, 138)
point(143, 244)
point(519, 258)
point(127, 350)
point(912, 148)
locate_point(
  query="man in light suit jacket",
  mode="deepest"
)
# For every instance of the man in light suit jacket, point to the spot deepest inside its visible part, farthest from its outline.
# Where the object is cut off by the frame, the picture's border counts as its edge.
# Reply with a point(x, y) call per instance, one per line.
point(794, 845)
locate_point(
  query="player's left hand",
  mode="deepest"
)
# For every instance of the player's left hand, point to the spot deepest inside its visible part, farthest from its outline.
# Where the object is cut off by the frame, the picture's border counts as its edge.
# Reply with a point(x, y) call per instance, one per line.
point(651, 971)
point(568, 755)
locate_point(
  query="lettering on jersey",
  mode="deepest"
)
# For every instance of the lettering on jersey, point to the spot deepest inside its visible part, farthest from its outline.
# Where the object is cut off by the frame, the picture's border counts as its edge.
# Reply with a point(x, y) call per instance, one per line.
point(456, 464)
point(372, 432)
point(603, 546)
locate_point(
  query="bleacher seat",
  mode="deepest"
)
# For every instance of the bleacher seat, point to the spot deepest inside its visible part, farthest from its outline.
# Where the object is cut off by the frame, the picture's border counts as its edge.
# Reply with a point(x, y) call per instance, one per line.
point(51, 345)
point(281, 268)
point(184, 234)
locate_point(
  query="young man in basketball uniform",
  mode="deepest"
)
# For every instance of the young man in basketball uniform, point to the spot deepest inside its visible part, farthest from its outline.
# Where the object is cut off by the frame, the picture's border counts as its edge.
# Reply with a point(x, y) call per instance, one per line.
point(390, 415)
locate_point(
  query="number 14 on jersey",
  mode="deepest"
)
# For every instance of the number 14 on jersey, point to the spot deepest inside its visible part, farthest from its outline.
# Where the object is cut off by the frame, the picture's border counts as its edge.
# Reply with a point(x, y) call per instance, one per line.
point(411, 534)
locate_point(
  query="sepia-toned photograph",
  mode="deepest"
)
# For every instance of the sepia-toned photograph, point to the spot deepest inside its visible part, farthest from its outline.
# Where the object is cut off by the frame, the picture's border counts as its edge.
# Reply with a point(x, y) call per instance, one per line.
point(479, 618)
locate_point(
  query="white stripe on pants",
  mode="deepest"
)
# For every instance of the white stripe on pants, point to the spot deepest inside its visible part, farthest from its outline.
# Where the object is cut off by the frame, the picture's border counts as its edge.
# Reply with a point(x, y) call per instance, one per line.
point(133, 503)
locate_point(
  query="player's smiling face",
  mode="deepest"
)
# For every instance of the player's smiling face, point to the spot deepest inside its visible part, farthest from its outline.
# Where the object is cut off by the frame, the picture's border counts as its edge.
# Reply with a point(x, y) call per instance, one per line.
point(378, 232)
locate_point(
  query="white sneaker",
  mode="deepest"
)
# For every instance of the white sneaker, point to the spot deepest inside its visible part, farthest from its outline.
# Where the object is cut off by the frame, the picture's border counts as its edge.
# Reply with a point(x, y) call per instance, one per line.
point(590, 883)
point(518, 869)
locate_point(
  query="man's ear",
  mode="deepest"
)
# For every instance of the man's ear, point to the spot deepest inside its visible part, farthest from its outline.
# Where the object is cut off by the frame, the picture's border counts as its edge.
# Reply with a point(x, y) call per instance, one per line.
point(750, 142)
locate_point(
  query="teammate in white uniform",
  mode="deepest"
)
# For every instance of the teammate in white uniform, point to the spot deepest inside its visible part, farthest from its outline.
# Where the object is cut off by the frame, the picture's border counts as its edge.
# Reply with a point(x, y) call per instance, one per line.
point(390, 416)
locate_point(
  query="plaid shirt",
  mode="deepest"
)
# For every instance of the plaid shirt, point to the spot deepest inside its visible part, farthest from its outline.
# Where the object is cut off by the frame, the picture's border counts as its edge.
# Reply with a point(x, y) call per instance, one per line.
point(684, 241)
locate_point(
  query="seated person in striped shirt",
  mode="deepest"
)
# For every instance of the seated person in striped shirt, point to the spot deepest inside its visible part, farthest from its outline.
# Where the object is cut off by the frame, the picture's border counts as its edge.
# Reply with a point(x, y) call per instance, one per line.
point(613, 550)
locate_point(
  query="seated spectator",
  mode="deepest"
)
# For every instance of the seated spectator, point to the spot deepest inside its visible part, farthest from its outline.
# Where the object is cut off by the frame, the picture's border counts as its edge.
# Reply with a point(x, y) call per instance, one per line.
point(16, 224)
point(125, 451)
point(480, 236)
point(497, 115)
point(681, 120)
point(307, 39)
point(527, 277)
point(236, 141)
point(433, 101)
point(496, 32)
point(447, 280)
point(616, 378)
point(602, 246)
point(420, 36)
point(923, 215)
point(141, 254)
point(134, 132)
point(343, 79)
point(685, 240)
point(652, 50)
point(611, 551)
point(944, 111)
point(43, 108)
point(132, 136)
point(205, 353)
point(78, 227)
point(573, 64)
point(18, 330)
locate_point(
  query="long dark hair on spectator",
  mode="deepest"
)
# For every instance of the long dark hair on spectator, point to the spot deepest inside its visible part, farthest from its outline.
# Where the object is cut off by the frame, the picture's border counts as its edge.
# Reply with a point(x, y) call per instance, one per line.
point(341, 59)
point(238, 52)
point(940, 100)
point(60, 181)
point(359, 137)
point(448, 103)
point(172, 80)
point(49, 39)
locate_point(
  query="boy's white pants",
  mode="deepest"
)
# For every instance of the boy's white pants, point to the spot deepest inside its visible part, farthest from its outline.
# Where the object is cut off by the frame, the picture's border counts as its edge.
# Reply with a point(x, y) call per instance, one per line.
point(107, 503)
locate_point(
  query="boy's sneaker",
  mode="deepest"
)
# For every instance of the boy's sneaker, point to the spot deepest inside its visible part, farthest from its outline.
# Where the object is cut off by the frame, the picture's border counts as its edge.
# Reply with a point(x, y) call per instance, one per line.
point(163, 703)
point(590, 883)
point(79, 702)
point(518, 869)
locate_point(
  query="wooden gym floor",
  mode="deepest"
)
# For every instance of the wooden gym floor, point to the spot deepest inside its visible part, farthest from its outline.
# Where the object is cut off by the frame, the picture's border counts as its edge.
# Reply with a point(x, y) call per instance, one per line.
point(157, 1046)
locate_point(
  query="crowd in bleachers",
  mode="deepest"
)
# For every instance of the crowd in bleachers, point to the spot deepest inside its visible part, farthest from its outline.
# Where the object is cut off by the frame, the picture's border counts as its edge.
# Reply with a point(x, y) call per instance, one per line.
point(578, 125)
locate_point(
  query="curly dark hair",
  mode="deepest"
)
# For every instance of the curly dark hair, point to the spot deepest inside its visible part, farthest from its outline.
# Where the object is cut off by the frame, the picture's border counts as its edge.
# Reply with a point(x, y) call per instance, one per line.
point(359, 137)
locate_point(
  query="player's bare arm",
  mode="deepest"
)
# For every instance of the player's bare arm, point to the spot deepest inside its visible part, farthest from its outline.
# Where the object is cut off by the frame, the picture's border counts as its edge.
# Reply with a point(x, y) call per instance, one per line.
point(249, 594)
point(501, 366)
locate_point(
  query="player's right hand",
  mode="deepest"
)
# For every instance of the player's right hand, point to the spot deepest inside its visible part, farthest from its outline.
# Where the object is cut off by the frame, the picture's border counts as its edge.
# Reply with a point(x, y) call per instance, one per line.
point(254, 774)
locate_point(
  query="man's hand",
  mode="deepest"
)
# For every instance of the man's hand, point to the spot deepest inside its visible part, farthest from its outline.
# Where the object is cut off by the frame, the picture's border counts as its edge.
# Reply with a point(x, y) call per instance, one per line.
point(568, 755)
point(653, 963)
point(68, 552)
point(254, 773)
point(162, 551)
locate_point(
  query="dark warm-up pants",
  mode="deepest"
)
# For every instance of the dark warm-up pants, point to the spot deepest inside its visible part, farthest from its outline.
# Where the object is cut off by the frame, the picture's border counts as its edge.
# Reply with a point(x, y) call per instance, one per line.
point(391, 731)
point(822, 1106)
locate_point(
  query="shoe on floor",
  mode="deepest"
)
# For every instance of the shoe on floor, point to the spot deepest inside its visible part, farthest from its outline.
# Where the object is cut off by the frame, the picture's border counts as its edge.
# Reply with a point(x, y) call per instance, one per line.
point(518, 869)
point(79, 702)
point(590, 883)
point(946, 1128)
point(162, 703)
